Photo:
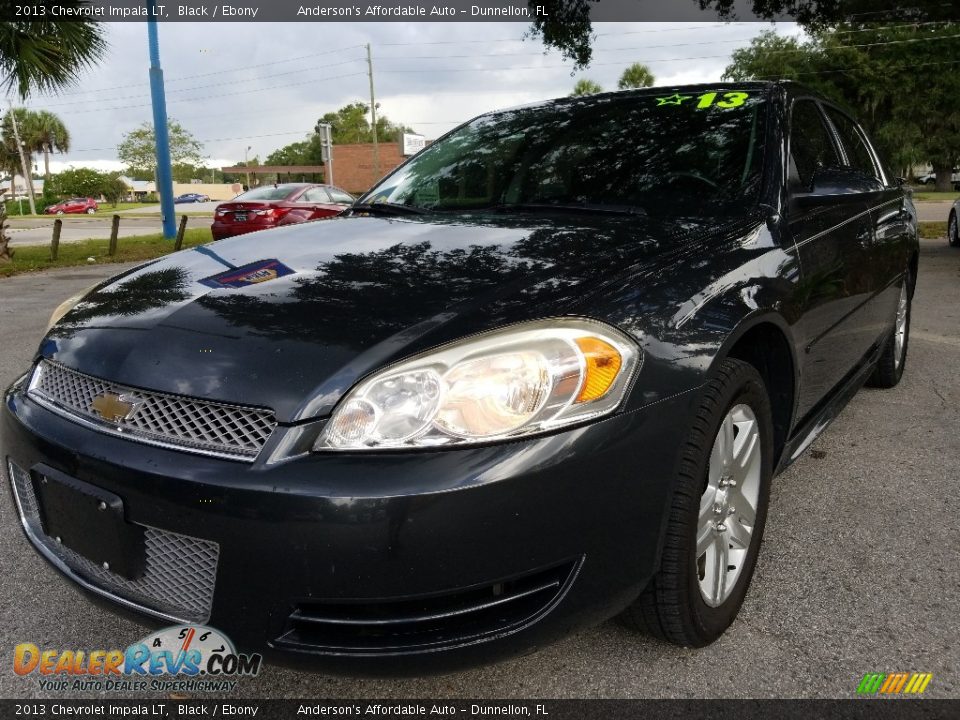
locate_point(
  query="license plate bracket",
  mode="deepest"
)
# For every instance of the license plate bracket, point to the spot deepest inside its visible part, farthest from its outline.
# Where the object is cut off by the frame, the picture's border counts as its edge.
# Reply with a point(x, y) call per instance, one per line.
point(90, 521)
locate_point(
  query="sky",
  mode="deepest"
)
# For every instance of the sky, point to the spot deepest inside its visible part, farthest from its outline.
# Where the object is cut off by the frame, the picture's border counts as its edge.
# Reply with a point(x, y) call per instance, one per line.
point(264, 85)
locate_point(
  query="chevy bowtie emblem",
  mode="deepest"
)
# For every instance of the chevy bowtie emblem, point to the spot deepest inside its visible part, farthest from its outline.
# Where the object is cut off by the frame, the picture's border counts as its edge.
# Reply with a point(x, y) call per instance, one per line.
point(114, 408)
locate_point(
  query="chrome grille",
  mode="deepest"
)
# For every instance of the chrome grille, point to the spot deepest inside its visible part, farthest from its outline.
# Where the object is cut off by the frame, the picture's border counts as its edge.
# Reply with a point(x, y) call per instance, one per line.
point(159, 418)
point(179, 576)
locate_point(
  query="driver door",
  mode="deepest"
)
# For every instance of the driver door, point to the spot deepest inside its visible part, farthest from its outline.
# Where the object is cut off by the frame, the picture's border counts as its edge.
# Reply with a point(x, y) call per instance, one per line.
point(833, 236)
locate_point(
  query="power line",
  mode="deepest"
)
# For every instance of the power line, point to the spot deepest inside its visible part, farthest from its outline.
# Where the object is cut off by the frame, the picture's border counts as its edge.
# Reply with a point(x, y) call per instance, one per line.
point(197, 87)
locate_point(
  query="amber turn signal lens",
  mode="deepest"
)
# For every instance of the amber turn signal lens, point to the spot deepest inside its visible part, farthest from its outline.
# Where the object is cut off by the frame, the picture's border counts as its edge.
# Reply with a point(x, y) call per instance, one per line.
point(603, 364)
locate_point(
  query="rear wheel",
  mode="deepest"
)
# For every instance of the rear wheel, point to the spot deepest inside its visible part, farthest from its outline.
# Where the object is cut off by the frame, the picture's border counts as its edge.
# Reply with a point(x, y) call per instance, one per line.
point(953, 232)
point(893, 358)
point(717, 515)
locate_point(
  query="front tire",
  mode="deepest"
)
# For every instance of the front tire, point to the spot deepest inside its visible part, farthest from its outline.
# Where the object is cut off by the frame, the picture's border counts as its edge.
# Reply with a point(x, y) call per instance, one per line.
point(953, 231)
point(717, 515)
point(893, 358)
point(90, 211)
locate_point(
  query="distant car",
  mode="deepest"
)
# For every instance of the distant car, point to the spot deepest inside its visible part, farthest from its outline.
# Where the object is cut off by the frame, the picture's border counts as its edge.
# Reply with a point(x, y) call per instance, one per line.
point(191, 198)
point(73, 205)
point(931, 178)
point(953, 230)
point(271, 206)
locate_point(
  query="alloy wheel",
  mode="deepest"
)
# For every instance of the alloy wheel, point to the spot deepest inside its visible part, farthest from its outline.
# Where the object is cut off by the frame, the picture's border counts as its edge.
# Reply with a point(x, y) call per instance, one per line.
point(728, 506)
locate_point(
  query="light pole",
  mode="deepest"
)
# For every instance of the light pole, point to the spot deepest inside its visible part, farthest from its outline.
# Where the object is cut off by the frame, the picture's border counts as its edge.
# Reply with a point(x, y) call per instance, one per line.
point(246, 163)
point(160, 131)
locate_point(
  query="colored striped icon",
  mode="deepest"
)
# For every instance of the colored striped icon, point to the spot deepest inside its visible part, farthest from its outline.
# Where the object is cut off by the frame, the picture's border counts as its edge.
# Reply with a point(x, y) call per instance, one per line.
point(894, 683)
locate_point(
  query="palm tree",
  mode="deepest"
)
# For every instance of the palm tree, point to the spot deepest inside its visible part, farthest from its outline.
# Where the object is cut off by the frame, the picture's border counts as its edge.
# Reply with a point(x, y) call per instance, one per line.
point(637, 75)
point(45, 132)
point(585, 86)
point(46, 56)
point(8, 138)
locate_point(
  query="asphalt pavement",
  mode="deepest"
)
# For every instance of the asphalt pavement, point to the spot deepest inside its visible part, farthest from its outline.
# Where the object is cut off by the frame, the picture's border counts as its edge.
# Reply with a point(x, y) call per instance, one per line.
point(37, 231)
point(859, 570)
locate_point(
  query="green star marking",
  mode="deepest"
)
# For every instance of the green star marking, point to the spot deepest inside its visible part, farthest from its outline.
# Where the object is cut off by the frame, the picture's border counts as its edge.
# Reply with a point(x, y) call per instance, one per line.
point(675, 99)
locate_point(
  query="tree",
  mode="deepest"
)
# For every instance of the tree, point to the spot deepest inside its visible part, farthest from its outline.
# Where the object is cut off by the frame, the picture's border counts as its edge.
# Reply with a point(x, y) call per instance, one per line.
point(351, 125)
point(637, 75)
point(9, 133)
point(914, 116)
point(82, 182)
point(6, 253)
point(566, 24)
point(585, 86)
point(138, 149)
point(304, 152)
point(47, 55)
point(45, 133)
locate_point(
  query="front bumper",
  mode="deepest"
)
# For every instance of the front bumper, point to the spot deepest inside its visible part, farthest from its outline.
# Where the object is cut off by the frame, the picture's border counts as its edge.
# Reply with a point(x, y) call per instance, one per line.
point(382, 563)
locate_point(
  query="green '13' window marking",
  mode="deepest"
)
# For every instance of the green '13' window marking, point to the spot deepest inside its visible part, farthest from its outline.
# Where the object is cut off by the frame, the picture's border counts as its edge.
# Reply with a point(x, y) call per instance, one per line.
point(707, 100)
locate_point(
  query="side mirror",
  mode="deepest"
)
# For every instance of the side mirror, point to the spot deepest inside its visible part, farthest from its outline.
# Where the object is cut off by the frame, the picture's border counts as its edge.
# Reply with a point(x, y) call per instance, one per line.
point(833, 184)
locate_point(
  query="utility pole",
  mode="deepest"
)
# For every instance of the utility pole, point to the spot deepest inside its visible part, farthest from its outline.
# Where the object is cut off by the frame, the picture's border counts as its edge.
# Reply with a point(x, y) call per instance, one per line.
point(373, 117)
point(160, 131)
point(325, 131)
point(246, 163)
point(27, 175)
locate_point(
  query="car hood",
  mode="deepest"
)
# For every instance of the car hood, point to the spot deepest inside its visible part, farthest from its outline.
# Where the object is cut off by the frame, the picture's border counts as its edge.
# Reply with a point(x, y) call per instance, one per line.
point(290, 318)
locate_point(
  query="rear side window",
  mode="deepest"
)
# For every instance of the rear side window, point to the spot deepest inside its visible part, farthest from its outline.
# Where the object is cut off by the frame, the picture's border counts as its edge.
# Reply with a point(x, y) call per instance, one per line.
point(858, 155)
point(811, 146)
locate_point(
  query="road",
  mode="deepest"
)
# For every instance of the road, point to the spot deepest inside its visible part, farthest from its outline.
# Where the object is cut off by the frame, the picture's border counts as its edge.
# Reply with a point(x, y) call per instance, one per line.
point(83, 227)
point(37, 231)
point(858, 573)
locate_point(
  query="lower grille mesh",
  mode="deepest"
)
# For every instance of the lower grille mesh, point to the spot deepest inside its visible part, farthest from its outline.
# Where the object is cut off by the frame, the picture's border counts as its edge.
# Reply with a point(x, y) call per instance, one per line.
point(180, 570)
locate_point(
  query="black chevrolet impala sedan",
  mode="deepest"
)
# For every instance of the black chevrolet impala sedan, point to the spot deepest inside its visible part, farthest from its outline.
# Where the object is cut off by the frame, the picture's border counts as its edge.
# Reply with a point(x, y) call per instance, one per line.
point(540, 375)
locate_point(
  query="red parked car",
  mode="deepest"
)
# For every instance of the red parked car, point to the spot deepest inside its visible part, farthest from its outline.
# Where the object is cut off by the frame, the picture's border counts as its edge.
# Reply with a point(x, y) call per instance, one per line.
point(73, 205)
point(270, 206)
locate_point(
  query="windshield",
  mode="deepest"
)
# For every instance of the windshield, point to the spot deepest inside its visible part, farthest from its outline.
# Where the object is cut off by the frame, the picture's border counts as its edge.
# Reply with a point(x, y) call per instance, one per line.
point(659, 153)
point(269, 192)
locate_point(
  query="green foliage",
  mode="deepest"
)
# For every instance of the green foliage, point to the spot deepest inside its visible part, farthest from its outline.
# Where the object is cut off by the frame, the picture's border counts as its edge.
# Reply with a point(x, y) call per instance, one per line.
point(82, 182)
point(891, 77)
point(351, 124)
point(138, 149)
point(46, 55)
point(305, 152)
point(585, 86)
point(637, 75)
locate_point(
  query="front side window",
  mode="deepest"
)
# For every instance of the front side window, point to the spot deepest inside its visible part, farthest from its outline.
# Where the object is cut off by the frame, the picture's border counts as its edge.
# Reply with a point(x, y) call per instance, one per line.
point(659, 153)
point(858, 154)
point(811, 147)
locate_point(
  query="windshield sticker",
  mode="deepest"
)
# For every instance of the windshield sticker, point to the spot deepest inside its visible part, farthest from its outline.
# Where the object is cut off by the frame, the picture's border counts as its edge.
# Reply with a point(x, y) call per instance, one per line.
point(707, 100)
point(250, 274)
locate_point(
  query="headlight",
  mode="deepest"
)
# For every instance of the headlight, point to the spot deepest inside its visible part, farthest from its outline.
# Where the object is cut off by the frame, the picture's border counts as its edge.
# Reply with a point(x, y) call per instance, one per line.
point(67, 305)
point(520, 380)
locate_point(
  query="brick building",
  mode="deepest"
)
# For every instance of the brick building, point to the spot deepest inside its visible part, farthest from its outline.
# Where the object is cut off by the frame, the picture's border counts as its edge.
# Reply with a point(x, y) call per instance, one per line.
point(353, 168)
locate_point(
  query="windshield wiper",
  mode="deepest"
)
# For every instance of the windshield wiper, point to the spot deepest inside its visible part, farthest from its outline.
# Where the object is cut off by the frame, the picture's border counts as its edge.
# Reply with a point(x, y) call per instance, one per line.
point(387, 208)
point(591, 208)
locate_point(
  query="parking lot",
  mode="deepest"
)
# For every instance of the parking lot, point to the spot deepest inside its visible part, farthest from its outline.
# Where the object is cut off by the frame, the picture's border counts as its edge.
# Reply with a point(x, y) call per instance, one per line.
point(859, 571)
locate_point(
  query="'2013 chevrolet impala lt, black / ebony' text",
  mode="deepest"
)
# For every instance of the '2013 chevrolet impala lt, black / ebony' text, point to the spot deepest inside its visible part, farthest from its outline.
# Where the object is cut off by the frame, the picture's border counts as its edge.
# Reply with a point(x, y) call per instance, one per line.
point(540, 375)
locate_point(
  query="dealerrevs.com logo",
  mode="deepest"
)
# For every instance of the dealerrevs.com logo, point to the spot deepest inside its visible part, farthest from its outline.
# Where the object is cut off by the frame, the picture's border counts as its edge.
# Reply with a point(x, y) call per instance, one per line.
point(898, 683)
point(187, 658)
